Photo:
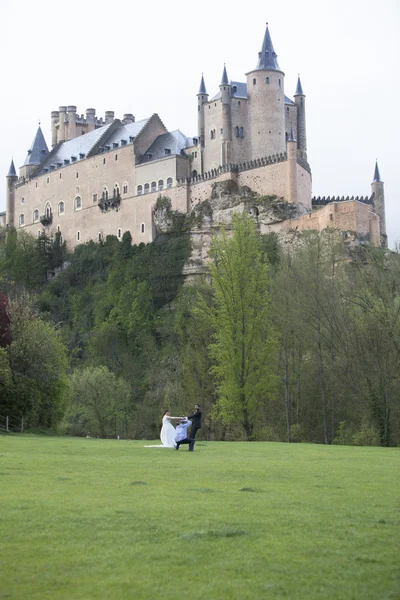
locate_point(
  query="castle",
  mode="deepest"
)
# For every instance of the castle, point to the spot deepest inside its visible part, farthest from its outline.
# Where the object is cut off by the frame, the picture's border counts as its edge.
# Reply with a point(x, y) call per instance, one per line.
point(103, 177)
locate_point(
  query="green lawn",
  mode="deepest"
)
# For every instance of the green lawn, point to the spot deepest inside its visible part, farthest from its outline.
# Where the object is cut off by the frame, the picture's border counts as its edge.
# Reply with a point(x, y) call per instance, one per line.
point(86, 518)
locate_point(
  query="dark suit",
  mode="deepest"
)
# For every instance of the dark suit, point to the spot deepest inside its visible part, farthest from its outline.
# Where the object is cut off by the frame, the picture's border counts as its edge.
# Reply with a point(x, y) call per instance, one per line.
point(196, 422)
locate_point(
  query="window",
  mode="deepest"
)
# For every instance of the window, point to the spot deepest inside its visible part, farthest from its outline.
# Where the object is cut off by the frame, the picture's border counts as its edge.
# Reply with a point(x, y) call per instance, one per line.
point(119, 234)
point(160, 185)
point(77, 175)
point(58, 229)
point(212, 134)
point(167, 151)
point(194, 173)
point(36, 182)
point(237, 131)
point(61, 208)
point(279, 82)
point(254, 81)
point(221, 131)
point(125, 188)
point(21, 220)
point(146, 188)
point(104, 195)
point(116, 157)
point(153, 186)
point(78, 235)
point(35, 215)
point(139, 190)
point(60, 175)
point(78, 203)
point(99, 236)
point(47, 210)
point(267, 80)
point(169, 182)
point(142, 227)
point(94, 198)
point(234, 89)
point(331, 217)
point(287, 109)
point(77, 190)
point(39, 233)
point(238, 102)
point(104, 161)
point(48, 179)
point(116, 190)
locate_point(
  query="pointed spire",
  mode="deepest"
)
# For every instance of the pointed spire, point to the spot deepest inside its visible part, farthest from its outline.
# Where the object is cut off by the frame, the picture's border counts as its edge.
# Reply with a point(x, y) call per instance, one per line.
point(11, 171)
point(38, 151)
point(299, 89)
point(202, 89)
point(377, 176)
point(267, 58)
point(291, 137)
point(224, 80)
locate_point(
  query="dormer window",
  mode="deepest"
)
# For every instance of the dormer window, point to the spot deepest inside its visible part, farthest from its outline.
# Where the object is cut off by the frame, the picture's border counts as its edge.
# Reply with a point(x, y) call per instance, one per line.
point(66, 161)
point(106, 147)
point(167, 151)
point(115, 145)
point(59, 165)
point(131, 139)
point(73, 158)
point(123, 142)
point(149, 155)
point(81, 156)
point(234, 89)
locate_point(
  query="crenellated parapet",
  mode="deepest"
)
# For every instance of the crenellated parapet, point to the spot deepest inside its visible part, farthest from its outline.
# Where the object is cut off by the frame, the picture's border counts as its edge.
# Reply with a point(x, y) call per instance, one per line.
point(235, 168)
point(324, 200)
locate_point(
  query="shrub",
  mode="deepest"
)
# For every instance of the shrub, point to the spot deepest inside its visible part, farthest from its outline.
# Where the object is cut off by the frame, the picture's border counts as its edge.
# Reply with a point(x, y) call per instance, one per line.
point(297, 433)
point(366, 436)
point(344, 435)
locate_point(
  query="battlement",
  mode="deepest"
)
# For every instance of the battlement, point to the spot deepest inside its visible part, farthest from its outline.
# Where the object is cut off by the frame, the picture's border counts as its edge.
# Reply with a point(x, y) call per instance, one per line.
point(235, 168)
point(328, 200)
point(67, 124)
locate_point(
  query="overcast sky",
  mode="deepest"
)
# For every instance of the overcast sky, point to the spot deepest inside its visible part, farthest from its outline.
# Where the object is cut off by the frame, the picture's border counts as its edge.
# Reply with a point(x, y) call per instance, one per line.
point(146, 57)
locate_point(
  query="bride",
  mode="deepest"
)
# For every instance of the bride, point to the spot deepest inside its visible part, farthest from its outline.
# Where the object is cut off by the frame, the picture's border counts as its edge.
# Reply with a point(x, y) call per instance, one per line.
point(167, 434)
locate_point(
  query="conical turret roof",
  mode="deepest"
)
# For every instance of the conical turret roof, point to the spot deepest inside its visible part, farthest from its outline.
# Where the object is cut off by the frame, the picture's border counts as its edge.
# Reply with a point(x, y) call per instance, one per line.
point(224, 80)
point(267, 58)
point(291, 137)
point(202, 89)
point(299, 89)
point(11, 171)
point(38, 151)
point(377, 176)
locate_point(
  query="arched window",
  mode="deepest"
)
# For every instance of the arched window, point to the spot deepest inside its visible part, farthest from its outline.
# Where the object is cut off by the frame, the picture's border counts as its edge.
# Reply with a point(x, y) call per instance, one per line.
point(47, 210)
point(78, 203)
point(125, 188)
point(78, 236)
point(100, 236)
point(35, 215)
point(142, 228)
point(267, 80)
point(61, 208)
point(104, 194)
point(254, 81)
point(169, 182)
point(139, 190)
point(58, 229)
point(279, 81)
point(153, 186)
point(116, 190)
point(194, 173)
point(146, 188)
point(160, 185)
point(21, 220)
point(119, 234)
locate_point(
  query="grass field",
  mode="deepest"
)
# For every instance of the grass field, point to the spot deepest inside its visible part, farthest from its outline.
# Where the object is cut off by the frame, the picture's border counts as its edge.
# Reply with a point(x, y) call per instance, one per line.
point(88, 519)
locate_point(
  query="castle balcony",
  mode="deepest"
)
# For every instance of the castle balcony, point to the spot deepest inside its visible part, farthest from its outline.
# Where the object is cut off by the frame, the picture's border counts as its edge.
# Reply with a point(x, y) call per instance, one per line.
point(113, 203)
point(46, 219)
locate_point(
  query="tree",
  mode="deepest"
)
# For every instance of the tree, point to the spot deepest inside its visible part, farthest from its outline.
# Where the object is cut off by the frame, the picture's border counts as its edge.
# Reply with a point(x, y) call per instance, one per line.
point(101, 394)
point(243, 346)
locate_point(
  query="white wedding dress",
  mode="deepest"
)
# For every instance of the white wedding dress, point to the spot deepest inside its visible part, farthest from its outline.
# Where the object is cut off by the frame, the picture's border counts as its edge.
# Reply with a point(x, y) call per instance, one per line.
point(167, 435)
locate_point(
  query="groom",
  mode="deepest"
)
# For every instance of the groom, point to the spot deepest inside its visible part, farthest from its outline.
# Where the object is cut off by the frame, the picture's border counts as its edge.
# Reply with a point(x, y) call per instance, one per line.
point(181, 436)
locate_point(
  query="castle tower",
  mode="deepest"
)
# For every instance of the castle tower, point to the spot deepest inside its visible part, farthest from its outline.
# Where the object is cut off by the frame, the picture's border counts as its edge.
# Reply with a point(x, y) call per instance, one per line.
point(202, 98)
point(378, 200)
point(71, 122)
point(55, 115)
point(265, 92)
point(300, 101)
point(61, 124)
point(11, 179)
point(36, 153)
point(226, 120)
point(292, 167)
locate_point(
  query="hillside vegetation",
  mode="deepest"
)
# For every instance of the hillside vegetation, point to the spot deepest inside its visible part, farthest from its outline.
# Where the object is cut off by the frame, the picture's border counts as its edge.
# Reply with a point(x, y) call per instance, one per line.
point(281, 346)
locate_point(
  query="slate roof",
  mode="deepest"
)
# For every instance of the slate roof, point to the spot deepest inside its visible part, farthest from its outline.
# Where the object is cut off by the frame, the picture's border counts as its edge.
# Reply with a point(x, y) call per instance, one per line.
point(174, 141)
point(377, 176)
point(78, 148)
point(11, 171)
point(299, 89)
point(38, 151)
point(202, 89)
point(224, 80)
point(267, 58)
